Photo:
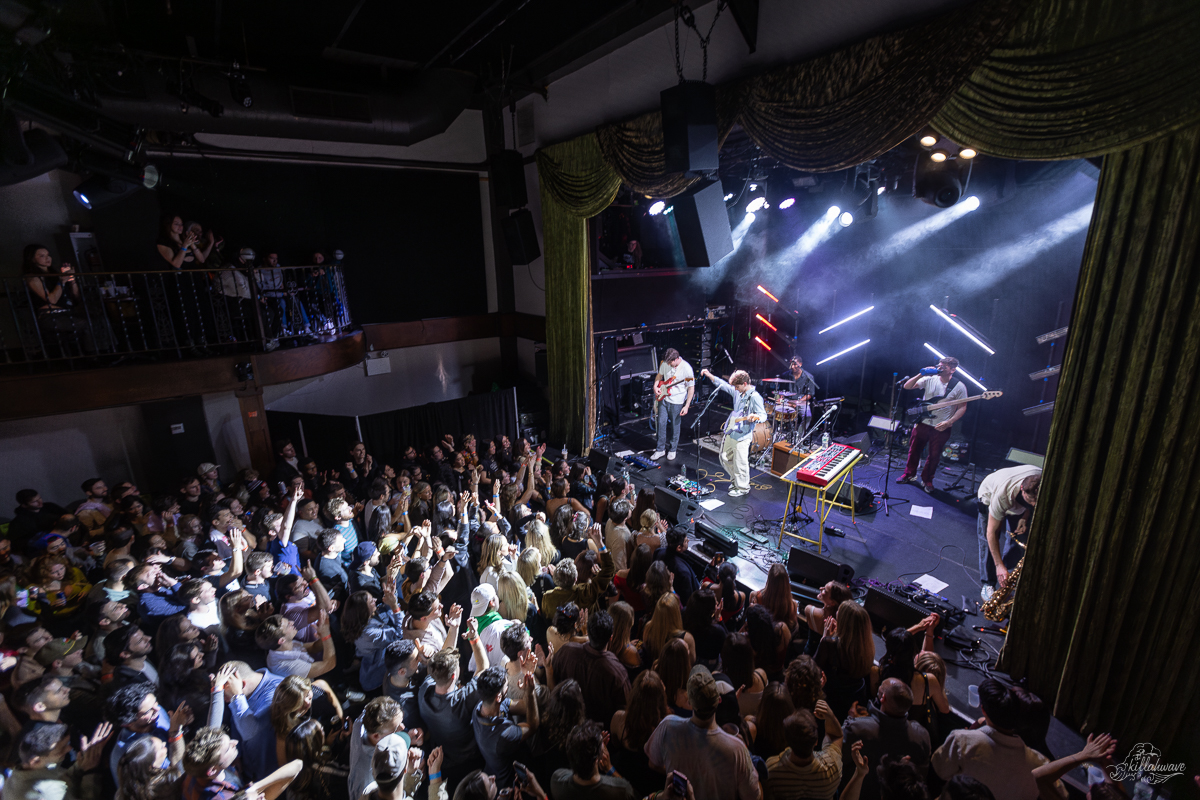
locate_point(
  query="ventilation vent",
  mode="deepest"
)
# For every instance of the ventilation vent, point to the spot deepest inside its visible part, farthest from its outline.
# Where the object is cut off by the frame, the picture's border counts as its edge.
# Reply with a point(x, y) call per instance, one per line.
point(331, 105)
point(525, 134)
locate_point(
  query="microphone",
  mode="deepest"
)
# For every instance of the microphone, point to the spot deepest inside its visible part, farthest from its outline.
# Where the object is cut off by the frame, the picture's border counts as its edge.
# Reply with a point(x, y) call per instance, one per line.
point(726, 352)
point(902, 380)
point(617, 366)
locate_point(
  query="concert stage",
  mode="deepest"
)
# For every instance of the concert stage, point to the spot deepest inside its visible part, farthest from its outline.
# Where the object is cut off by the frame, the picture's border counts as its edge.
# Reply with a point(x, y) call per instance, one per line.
point(896, 548)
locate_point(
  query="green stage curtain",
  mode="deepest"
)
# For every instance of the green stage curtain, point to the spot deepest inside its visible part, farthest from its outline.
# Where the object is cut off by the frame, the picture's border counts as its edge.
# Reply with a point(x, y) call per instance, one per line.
point(575, 184)
point(1106, 620)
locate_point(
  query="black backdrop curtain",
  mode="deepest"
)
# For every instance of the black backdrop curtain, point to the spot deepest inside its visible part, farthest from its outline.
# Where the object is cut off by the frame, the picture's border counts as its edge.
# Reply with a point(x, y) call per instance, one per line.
point(485, 415)
point(328, 437)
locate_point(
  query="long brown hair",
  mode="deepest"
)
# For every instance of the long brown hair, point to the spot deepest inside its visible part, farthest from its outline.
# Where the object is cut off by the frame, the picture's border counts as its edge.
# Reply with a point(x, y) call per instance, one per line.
point(777, 596)
point(855, 645)
point(775, 706)
point(646, 708)
point(674, 665)
point(665, 620)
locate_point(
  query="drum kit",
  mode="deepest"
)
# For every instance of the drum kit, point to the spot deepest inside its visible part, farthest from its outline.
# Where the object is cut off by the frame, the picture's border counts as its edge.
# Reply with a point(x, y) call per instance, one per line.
point(786, 417)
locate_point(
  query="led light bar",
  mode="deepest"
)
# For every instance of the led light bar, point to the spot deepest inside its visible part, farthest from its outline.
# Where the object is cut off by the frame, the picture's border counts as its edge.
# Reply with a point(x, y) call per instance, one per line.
point(768, 294)
point(760, 341)
point(847, 319)
point(847, 350)
point(962, 330)
point(965, 374)
point(764, 321)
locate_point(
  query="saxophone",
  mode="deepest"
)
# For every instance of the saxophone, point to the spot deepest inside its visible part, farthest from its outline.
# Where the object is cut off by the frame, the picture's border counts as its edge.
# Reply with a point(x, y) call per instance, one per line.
point(999, 605)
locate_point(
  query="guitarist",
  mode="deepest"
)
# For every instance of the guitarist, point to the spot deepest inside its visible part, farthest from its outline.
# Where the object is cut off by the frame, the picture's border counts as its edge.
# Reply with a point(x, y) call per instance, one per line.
point(747, 411)
point(934, 382)
point(673, 390)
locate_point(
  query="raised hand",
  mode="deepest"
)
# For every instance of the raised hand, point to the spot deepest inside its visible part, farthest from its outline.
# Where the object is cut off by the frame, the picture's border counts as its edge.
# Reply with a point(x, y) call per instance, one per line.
point(307, 572)
point(92, 750)
point(181, 716)
point(454, 617)
point(435, 761)
point(860, 761)
point(1099, 747)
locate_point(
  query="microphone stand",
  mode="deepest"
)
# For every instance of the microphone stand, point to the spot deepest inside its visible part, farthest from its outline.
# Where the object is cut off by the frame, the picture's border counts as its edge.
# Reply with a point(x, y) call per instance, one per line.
point(696, 429)
point(600, 401)
point(887, 473)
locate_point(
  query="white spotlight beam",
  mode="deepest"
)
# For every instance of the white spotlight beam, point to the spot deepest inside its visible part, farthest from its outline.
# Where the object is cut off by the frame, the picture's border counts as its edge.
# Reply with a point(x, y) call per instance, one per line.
point(966, 374)
point(842, 353)
point(908, 238)
point(962, 329)
point(847, 319)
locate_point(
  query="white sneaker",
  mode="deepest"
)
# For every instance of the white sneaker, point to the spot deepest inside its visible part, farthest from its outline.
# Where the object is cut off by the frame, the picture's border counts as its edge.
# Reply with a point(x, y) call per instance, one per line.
point(738, 492)
point(986, 591)
point(671, 456)
point(657, 455)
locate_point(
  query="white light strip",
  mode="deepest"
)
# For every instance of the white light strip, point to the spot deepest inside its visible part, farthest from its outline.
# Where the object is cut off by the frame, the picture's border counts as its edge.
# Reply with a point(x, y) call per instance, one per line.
point(847, 319)
point(962, 330)
point(966, 374)
point(847, 350)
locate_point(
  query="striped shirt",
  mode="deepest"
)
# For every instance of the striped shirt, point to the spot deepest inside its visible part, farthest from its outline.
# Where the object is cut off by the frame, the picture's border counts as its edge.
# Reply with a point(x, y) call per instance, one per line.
point(818, 780)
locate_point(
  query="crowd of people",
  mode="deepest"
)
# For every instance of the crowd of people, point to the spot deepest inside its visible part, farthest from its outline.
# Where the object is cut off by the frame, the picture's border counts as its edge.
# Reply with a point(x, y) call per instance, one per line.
point(474, 620)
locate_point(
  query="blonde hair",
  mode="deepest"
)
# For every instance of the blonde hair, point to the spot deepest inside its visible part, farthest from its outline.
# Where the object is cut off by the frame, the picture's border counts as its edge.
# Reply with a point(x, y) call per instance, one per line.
point(649, 520)
point(335, 506)
point(666, 620)
point(932, 663)
point(529, 565)
point(537, 536)
point(514, 597)
point(287, 706)
point(492, 554)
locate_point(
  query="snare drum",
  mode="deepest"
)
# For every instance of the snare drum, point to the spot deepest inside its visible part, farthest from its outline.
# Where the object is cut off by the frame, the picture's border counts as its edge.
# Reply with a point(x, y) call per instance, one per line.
point(761, 438)
point(785, 414)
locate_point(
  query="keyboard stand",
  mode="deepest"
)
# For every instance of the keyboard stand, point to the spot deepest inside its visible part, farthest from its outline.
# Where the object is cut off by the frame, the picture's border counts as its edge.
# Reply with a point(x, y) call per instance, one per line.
point(824, 503)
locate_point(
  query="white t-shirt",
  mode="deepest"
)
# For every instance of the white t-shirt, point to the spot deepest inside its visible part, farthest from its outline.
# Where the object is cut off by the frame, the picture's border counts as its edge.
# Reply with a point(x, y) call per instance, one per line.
point(303, 529)
point(684, 379)
point(289, 662)
point(933, 388)
point(999, 490)
point(206, 616)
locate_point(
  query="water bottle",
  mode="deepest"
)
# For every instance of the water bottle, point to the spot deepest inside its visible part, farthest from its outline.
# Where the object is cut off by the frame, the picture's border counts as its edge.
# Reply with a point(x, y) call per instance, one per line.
point(824, 440)
point(564, 452)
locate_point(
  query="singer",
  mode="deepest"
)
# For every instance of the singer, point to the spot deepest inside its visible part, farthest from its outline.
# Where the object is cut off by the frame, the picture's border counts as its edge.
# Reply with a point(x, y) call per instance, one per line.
point(673, 390)
point(747, 411)
point(934, 382)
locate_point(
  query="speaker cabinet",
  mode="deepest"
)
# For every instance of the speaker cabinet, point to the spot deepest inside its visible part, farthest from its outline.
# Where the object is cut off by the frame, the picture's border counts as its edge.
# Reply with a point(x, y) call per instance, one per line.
point(689, 123)
point(813, 569)
point(784, 459)
point(507, 174)
point(674, 507)
point(520, 236)
point(703, 224)
point(889, 611)
point(861, 497)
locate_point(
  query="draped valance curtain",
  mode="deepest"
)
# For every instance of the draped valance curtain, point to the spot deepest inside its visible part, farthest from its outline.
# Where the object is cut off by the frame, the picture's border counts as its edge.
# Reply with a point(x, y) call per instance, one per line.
point(1105, 624)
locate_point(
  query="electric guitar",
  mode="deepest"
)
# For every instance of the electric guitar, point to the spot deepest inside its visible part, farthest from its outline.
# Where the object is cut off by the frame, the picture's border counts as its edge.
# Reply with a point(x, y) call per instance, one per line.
point(924, 410)
point(661, 387)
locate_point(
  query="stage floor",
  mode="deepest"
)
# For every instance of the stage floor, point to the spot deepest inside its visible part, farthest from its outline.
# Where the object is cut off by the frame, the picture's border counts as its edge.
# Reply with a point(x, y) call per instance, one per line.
point(896, 547)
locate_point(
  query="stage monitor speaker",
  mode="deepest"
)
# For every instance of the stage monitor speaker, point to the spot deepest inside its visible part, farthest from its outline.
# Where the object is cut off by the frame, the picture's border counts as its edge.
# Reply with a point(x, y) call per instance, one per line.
point(507, 174)
point(863, 498)
point(891, 611)
point(860, 440)
point(674, 507)
point(602, 463)
point(520, 236)
point(784, 459)
point(813, 569)
point(717, 539)
point(703, 224)
point(689, 126)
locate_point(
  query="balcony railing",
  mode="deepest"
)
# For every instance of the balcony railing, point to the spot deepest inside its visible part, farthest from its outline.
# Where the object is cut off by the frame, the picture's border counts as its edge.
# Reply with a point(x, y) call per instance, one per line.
point(99, 319)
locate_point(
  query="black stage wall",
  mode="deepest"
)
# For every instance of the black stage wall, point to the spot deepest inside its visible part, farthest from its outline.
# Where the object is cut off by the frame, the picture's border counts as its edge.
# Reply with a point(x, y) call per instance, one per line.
point(413, 240)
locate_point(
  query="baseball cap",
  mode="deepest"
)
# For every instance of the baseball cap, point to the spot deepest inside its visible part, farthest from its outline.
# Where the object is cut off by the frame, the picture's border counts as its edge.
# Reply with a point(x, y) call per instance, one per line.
point(390, 758)
point(481, 596)
point(207, 466)
point(58, 649)
point(702, 692)
point(364, 551)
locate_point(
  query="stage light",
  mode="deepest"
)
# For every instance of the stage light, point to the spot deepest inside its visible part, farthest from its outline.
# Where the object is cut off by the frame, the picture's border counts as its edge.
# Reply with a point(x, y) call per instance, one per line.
point(150, 176)
point(757, 204)
point(847, 319)
point(965, 374)
point(99, 191)
point(971, 203)
point(768, 294)
point(764, 344)
point(656, 208)
point(846, 219)
point(842, 353)
point(728, 197)
point(949, 318)
point(928, 140)
point(764, 321)
point(880, 190)
point(833, 212)
point(788, 203)
point(741, 229)
point(967, 152)
point(754, 187)
point(937, 156)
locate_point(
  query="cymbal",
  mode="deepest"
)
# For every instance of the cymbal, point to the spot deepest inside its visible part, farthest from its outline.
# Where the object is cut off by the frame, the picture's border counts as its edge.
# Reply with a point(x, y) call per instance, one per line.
point(785, 394)
point(777, 380)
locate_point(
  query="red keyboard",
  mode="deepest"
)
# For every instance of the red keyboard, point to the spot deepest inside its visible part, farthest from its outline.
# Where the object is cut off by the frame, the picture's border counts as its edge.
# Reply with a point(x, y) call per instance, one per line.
point(824, 466)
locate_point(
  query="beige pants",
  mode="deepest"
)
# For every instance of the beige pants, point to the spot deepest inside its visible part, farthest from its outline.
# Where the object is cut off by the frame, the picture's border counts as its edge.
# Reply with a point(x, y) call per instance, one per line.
point(735, 458)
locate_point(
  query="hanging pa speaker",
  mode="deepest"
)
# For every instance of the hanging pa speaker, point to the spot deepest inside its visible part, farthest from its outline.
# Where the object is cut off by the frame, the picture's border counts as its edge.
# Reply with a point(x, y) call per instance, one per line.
point(35, 154)
point(520, 236)
point(689, 125)
point(703, 224)
point(506, 171)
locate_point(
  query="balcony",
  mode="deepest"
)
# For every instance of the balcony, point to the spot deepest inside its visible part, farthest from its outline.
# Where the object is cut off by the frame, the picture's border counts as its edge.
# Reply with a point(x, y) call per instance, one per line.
point(91, 320)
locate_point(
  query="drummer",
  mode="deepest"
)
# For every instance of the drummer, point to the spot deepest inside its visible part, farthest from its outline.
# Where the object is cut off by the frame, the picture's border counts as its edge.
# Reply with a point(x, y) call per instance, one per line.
point(805, 386)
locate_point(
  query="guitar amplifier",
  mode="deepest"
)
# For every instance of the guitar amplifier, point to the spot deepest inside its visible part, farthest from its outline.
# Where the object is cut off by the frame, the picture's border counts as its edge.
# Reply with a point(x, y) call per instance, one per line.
point(784, 458)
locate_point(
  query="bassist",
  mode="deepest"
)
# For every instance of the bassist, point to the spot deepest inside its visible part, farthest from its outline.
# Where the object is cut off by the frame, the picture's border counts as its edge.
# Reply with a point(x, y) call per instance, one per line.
point(934, 382)
point(673, 390)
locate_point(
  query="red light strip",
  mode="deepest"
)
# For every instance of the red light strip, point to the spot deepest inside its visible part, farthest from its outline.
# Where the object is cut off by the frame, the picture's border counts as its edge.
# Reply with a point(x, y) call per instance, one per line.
point(764, 321)
point(768, 294)
point(760, 341)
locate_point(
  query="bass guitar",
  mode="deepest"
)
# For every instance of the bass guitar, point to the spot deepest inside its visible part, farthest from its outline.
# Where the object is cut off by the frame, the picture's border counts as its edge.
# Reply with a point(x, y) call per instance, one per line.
point(924, 410)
